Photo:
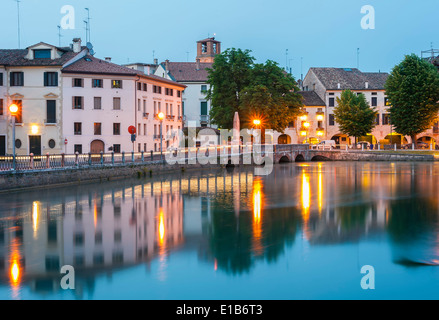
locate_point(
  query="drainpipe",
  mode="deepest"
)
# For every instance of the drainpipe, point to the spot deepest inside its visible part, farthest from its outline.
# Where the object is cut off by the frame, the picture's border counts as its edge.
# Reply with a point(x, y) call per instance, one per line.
point(135, 107)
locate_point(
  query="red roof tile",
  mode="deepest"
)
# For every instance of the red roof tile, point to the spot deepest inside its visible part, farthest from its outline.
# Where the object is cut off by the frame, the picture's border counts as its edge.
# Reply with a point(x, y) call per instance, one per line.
point(187, 71)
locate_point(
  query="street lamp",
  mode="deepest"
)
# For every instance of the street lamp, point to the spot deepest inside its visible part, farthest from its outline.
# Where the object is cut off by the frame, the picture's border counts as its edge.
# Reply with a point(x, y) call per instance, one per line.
point(257, 123)
point(161, 116)
point(13, 109)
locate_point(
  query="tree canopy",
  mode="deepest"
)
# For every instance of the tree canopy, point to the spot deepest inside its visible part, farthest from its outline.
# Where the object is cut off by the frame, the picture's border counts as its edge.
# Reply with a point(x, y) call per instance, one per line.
point(413, 92)
point(256, 91)
point(354, 115)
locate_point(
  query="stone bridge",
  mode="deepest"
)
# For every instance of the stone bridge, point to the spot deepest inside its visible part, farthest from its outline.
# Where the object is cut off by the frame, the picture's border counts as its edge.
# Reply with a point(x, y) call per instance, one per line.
point(302, 152)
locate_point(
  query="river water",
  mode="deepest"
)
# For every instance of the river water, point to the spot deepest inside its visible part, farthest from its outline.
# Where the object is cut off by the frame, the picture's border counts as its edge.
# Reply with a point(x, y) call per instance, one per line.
point(303, 232)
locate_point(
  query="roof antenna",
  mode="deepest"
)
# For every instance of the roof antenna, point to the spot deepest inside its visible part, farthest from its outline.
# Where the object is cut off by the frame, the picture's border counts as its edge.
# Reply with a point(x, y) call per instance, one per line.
point(18, 15)
point(87, 30)
point(59, 36)
point(358, 58)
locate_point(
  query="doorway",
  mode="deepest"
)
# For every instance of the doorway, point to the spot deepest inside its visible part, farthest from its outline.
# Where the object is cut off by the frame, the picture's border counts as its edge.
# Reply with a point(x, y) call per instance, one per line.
point(2, 145)
point(97, 146)
point(35, 145)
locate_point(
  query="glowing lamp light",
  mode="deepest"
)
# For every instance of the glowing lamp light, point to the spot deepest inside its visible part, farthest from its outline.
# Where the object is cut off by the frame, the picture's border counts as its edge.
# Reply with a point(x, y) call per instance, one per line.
point(15, 272)
point(161, 115)
point(13, 108)
point(320, 133)
point(304, 117)
point(256, 122)
point(303, 133)
point(320, 117)
point(306, 125)
point(34, 129)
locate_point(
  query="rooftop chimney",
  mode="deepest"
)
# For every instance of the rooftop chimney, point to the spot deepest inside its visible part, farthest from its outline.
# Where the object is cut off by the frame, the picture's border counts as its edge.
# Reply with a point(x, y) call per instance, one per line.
point(156, 61)
point(198, 64)
point(76, 45)
point(167, 65)
point(108, 59)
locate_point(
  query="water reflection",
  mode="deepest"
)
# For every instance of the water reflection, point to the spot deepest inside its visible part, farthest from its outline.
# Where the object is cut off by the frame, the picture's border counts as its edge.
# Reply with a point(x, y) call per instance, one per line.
point(234, 221)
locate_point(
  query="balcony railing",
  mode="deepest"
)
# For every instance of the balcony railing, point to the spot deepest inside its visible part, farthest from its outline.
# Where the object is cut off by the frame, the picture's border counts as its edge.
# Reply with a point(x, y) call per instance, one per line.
point(204, 118)
point(146, 115)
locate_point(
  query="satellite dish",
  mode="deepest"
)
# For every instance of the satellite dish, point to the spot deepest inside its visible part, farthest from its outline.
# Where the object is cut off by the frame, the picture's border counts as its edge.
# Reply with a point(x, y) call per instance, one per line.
point(90, 48)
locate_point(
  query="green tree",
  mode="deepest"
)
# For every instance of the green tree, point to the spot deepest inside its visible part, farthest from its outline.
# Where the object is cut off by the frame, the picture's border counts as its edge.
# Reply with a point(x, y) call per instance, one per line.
point(261, 91)
point(413, 92)
point(354, 115)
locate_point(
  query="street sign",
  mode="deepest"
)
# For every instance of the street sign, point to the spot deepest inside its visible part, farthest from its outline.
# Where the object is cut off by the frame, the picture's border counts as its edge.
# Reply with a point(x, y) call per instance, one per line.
point(133, 138)
point(65, 141)
point(132, 129)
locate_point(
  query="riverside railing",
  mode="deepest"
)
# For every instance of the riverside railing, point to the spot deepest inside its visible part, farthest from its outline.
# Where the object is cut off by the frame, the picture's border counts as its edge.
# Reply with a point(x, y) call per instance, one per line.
point(58, 161)
point(55, 161)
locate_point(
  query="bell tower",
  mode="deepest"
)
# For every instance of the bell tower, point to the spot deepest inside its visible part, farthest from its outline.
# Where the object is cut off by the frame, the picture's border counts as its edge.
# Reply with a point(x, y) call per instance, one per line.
point(207, 49)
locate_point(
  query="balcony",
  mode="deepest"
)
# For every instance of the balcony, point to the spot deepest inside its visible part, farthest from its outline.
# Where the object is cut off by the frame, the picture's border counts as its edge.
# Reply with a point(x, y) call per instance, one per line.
point(156, 136)
point(145, 115)
point(170, 117)
point(204, 119)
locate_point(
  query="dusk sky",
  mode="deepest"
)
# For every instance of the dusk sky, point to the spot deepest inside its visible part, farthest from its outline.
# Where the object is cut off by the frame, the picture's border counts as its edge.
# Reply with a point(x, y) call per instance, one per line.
point(325, 33)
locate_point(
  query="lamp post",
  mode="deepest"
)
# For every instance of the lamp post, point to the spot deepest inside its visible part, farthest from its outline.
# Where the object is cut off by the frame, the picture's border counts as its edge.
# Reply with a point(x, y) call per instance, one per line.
point(13, 109)
point(257, 123)
point(161, 116)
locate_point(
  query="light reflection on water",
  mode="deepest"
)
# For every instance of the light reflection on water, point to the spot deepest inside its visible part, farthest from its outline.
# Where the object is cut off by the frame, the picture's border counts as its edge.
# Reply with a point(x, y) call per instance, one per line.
point(306, 228)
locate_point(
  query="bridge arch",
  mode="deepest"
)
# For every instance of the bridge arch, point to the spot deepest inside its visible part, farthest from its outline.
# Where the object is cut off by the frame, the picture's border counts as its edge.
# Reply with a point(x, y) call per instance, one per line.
point(299, 158)
point(319, 157)
point(285, 158)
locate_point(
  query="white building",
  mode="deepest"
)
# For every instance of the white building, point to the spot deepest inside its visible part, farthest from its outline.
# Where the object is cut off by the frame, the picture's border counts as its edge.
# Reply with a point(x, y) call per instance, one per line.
point(102, 100)
point(194, 76)
point(328, 84)
point(31, 78)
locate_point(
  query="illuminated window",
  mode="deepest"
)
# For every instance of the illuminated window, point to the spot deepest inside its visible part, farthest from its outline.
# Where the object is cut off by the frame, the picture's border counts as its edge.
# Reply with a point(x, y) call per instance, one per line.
point(97, 128)
point(117, 84)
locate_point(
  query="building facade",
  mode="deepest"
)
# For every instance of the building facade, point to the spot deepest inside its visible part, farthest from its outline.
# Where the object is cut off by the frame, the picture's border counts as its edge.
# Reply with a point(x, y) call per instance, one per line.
point(194, 76)
point(69, 101)
point(329, 83)
point(31, 79)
